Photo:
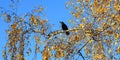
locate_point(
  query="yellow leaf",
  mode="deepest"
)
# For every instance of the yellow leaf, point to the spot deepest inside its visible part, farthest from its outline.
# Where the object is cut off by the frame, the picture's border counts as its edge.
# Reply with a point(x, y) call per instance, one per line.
point(77, 15)
point(13, 26)
point(98, 56)
point(83, 20)
point(81, 25)
point(109, 50)
point(118, 28)
point(88, 32)
point(96, 3)
point(22, 58)
point(99, 19)
point(116, 43)
point(46, 55)
point(105, 9)
point(18, 56)
point(90, 41)
point(116, 35)
point(60, 54)
point(117, 7)
point(32, 17)
point(118, 49)
point(77, 8)
point(87, 51)
point(118, 18)
point(105, 40)
point(113, 15)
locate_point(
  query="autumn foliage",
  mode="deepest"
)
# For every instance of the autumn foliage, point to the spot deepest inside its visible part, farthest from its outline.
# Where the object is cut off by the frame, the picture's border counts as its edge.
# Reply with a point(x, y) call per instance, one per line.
point(94, 33)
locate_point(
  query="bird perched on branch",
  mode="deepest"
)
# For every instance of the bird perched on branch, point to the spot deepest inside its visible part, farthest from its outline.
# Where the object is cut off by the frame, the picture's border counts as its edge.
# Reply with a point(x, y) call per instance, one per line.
point(64, 27)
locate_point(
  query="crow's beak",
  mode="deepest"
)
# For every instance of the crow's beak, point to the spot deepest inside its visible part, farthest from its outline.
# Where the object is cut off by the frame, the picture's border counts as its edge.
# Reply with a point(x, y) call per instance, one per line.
point(61, 22)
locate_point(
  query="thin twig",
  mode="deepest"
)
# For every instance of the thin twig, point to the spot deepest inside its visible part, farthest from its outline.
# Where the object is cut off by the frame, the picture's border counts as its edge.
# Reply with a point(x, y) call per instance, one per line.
point(82, 55)
point(83, 46)
point(81, 49)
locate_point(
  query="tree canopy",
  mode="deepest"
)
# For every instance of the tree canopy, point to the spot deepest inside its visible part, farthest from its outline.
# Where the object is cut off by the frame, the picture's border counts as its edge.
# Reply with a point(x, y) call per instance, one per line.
point(94, 32)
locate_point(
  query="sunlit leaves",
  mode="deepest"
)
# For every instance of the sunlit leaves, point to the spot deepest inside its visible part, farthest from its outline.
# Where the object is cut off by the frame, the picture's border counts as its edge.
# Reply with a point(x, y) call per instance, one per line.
point(87, 51)
point(14, 35)
point(95, 3)
point(105, 26)
point(83, 20)
point(109, 32)
point(77, 14)
point(77, 8)
point(116, 35)
point(116, 42)
point(20, 29)
point(81, 25)
point(60, 54)
point(99, 56)
point(116, 5)
point(60, 51)
point(22, 58)
point(105, 40)
point(90, 41)
point(34, 20)
point(118, 18)
point(46, 55)
point(88, 32)
point(37, 38)
point(105, 10)
point(77, 38)
point(109, 50)
point(101, 10)
point(19, 57)
point(98, 53)
point(13, 26)
point(96, 21)
point(118, 49)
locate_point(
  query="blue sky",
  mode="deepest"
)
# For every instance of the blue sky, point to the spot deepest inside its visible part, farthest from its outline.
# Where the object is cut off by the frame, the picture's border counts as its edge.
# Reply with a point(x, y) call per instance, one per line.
point(55, 11)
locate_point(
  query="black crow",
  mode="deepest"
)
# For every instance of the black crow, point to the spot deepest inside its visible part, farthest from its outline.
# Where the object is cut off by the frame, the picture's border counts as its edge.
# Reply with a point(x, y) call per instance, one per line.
point(64, 27)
